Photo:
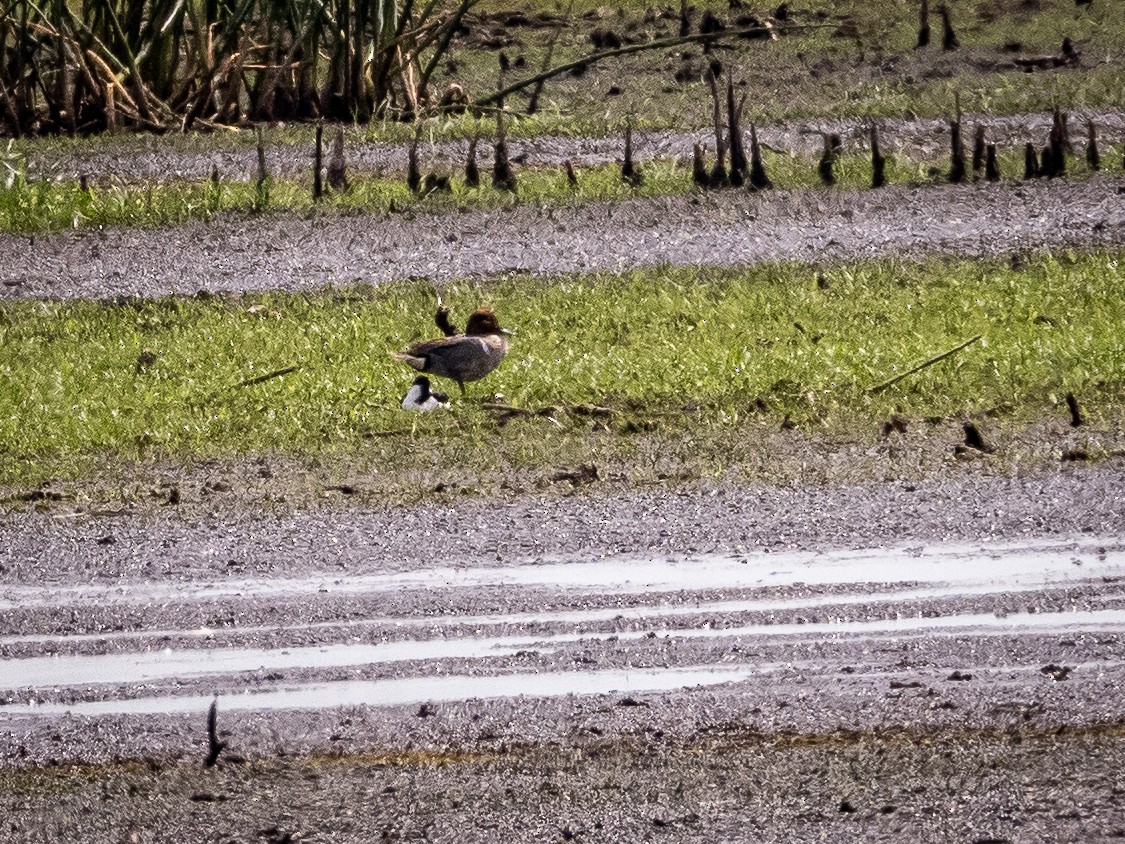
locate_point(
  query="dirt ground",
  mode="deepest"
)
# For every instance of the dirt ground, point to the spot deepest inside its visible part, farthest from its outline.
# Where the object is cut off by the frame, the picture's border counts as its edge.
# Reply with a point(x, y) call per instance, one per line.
point(968, 733)
point(733, 228)
point(960, 681)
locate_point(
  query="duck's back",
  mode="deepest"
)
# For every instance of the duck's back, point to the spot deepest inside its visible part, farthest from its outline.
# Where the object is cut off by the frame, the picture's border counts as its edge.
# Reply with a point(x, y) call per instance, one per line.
point(462, 358)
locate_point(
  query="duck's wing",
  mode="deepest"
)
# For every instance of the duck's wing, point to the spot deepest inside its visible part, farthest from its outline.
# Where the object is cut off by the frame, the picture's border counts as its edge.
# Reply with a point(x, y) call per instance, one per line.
point(419, 355)
point(442, 345)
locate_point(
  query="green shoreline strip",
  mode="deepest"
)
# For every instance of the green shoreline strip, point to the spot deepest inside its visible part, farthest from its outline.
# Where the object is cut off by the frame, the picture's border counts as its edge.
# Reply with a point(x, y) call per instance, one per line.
point(45, 206)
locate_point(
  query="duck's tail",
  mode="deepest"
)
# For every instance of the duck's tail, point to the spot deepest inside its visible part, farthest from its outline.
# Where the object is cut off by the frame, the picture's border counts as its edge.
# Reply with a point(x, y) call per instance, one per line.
point(410, 360)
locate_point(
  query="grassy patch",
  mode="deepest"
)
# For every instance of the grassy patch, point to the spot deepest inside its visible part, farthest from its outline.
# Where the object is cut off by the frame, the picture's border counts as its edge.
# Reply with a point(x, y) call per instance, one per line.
point(702, 352)
point(843, 59)
point(46, 206)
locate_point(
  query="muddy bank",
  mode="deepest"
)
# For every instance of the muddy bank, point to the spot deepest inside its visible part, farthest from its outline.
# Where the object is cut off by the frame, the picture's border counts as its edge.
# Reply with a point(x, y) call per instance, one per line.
point(725, 782)
point(151, 159)
point(212, 540)
point(730, 229)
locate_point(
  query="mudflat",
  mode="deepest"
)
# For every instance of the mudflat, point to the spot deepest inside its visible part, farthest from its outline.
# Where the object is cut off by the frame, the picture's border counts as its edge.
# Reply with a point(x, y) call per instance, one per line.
point(291, 252)
point(935, 659)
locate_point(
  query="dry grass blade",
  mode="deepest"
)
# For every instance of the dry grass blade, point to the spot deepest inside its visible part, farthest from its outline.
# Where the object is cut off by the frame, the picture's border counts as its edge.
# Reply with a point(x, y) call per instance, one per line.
point(269, 376)
point(924, 364)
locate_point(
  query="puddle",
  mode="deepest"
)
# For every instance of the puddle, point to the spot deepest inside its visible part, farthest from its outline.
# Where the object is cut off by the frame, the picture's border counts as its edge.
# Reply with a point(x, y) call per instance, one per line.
point(575, 617)
point(926, 574)
point(456, 688)
point(49, 671)
point(416, 690)
point(957, 566)
point(117, 669)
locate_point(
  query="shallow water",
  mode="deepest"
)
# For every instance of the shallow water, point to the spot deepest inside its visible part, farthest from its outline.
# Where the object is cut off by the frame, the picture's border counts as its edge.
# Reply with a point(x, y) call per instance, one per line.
point(957, 566)
point(576, 617)
point(418, 690)
point(145, 667)
point(936, 576)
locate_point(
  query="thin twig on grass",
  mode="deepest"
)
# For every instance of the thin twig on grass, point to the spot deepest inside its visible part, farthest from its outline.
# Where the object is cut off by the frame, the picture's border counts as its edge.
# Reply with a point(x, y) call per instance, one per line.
point(935, 359)
point(277, 373)
point(594, 58)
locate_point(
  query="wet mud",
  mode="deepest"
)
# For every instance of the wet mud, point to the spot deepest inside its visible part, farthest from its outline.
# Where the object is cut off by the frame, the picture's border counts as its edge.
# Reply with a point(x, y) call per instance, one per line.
point(937, 660)
point(929, 660)
point(291, 252)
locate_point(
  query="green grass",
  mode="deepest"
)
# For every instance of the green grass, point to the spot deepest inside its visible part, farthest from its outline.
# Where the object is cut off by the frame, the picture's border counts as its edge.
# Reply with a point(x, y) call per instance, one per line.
point(648, 344)
point(45, 206)
point(817, 72)
point(50, 206)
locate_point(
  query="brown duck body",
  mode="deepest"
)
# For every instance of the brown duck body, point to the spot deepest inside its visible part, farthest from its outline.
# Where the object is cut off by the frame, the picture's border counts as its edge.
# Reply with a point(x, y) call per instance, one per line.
point(462, 357)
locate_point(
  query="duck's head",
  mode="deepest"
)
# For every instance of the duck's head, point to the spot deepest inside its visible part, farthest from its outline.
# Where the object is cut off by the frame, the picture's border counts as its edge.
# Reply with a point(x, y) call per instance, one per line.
point(483, 321)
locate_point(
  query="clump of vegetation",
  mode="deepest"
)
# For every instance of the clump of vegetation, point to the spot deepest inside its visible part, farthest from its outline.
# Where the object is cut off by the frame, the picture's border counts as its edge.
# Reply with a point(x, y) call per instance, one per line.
point(161, 64)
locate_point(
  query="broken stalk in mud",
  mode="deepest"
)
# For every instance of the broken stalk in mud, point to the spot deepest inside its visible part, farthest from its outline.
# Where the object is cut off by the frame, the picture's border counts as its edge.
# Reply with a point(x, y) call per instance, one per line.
point(949, 39)
point(699, 167)
point(978, 151)
point(991, 166)
point(957, 148)
point(758, 178)
point(1093, 160)
point(215, 195)
point(974, 439)
point(472, 171)
point(413, 173)
point(1052, 164)
point(923, 26)
point(719, 175)
point(826, 167)
point(1030, 161)
point(630, 172)
point(878, 161)
point(1077, 420)
point(337, 172)
point(215, 745)
point(262, 185)
point(571, 176)
point(503, 176)
point(318, 163)
point(739, 166)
